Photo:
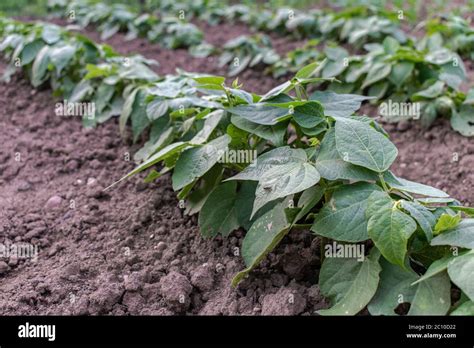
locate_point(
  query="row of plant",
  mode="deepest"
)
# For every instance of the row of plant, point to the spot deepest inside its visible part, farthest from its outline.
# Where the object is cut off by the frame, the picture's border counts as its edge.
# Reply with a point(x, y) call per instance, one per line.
point(318, 167)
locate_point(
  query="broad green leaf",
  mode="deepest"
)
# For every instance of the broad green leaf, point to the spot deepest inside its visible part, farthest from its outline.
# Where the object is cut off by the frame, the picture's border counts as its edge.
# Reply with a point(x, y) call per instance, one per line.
point(280, 172)
point(195, 162)
point(275, 133)
point(80, 91)
point(332, 167)
point(446, 222)
point(343, 217)
point(156, 108)
point(30, 51)
point(307, 71)
point(40, 67)
point(469, 211)
point(51, 34)
point(461, 236)
point(422, 215)
point(60, 56)
point(309, 115)
point(218, 214)
point(161, 155)
point(349, 283)
point(393, 290)
point(138, 116)
point(360, 144)
point(401, 72)
point(259, 113)
point(438, 266)
point(388, 227)
point(244, 203)
point(216, 80)
point(265, 233)
point(127, 110)
point(210, 123)
point(463, 121)
point(197, 198)
point(431, 92)
point(432, 296)
point(461, 271)
point(308, 199)
point(413, 187)
point(467, 308)
point(377, 72)
point(338, 105)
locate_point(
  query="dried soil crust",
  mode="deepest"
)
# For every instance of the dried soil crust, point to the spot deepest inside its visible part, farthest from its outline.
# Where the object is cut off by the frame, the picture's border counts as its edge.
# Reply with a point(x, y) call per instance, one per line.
point(127, 251)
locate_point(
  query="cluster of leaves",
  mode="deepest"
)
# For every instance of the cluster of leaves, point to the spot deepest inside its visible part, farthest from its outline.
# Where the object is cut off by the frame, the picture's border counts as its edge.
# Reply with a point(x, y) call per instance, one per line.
point(245, 51)
point(110, 19)
point(453, 31)
point(296, 59)
point(430, 76)
point(319, 167)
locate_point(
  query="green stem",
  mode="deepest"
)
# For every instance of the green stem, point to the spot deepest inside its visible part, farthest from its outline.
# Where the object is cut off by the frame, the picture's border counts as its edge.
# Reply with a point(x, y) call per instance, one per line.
point(384, 185)
point(324, 241)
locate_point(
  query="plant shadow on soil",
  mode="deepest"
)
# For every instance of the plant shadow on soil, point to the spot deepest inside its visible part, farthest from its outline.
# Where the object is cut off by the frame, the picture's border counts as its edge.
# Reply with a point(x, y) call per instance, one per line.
point(131, 250)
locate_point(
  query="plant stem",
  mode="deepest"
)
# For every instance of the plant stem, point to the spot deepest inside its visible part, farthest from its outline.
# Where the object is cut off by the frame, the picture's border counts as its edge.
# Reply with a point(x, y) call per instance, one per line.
point(384, 185)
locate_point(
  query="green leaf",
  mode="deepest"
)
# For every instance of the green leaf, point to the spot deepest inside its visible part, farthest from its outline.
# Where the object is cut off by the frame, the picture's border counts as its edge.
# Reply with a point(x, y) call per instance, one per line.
point(393, 290)
point(401, 72)
point(338, 105)
point(463, 121)
point(461, 236)
point(413, 187)
point(127, 110)
point(332, 167)
point(218, 214)
point(422, 215)
point(210, 123)
point(30, 51)
point(163, 154)
point(467, 308)
point(265, 233)
point(138, 115)
point(274, 134)
point(388, 227)
point(460, 271)
point(197, 198)
point(40, 67)
point(51, 34)
point(433, 91)
point(280, 172)
point(259, 113)
point(308, 199)
point(156, 108)
point(215, 80)
point(343, 217)
point(446, 222)
point(377, 72)
point(430, 297)
point(358, 143)
point(307, 71)
point(349, 284)
point(309, 115)
point(194, 163)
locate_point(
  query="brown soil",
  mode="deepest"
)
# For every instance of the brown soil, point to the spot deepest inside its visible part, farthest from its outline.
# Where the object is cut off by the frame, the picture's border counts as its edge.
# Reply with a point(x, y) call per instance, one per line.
point(131, 250)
